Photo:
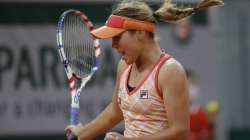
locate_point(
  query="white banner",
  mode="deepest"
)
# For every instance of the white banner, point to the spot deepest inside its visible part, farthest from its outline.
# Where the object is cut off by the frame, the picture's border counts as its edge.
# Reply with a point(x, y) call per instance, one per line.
point(33, 91)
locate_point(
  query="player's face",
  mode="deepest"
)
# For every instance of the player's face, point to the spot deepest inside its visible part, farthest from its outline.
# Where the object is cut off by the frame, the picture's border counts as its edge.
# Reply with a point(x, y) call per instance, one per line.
point(127, 45)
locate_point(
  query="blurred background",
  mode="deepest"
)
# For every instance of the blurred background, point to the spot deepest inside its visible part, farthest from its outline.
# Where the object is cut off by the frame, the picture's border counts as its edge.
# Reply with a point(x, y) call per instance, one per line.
point(213, 45)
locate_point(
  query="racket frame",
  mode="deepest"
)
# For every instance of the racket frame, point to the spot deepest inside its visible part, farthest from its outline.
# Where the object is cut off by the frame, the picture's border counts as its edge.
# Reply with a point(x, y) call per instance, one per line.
point(72, 78)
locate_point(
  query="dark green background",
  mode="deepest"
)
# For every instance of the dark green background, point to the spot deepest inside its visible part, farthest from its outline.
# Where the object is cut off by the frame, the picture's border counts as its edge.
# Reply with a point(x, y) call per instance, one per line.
point(49, 13)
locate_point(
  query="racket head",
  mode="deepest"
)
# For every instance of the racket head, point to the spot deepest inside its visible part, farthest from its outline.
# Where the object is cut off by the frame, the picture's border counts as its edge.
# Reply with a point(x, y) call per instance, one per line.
point(79, 51)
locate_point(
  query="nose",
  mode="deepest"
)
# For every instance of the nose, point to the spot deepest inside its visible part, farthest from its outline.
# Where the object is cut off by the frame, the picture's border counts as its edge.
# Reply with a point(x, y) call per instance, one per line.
point(114, 44)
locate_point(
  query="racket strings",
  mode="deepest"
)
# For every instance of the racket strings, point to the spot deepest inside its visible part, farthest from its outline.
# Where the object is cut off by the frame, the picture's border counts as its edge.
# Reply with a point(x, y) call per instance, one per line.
point(79, 47)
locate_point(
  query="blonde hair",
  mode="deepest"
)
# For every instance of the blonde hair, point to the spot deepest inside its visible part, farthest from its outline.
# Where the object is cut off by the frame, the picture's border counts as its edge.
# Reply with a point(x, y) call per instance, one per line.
point(168, 12)
point(136, 9)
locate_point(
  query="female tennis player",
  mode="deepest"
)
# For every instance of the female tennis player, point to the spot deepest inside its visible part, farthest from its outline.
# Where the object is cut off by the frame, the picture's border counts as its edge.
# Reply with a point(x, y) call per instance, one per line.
point(151, 92)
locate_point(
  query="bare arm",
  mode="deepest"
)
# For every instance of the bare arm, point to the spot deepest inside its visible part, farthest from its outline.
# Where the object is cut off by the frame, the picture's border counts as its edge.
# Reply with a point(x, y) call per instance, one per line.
point(111, 116)
point(173, 83)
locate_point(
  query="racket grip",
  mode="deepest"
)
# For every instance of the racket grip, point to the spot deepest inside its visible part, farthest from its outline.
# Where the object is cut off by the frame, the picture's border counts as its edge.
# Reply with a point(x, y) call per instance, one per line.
point(72, 137)
point(73, 121)
point(74, 115)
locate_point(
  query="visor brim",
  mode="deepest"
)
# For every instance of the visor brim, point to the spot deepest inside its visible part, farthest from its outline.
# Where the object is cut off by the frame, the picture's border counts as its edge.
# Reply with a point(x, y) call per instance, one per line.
point(106, 32)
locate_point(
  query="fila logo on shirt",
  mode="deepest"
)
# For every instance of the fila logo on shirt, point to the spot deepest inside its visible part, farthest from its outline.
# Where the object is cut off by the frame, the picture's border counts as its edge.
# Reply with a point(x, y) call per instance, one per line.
point(143, 94)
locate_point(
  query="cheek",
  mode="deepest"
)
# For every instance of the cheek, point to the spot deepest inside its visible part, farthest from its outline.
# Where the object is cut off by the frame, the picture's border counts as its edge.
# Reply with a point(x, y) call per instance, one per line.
point(127, 44)
point(132, 48)
point(122, 45)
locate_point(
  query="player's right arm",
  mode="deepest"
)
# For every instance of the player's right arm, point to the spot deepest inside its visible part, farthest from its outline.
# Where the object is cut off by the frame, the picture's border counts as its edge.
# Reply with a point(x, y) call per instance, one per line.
point(111, 116)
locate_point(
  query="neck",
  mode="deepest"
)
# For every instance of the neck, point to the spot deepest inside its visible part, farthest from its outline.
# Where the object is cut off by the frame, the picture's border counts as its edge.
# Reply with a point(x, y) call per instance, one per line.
point(149, 55)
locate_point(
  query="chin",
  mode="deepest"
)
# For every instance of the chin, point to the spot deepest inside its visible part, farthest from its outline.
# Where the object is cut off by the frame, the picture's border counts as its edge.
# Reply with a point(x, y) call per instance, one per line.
point(127, 61)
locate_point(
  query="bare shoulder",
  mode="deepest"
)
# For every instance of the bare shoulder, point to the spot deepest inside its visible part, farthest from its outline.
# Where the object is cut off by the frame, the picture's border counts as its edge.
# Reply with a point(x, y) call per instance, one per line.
point(172, 66)
point(172, 71)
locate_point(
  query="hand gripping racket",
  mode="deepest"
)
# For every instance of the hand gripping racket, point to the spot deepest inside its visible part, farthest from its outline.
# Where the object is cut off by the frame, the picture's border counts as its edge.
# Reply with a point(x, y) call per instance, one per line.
point(79, 52)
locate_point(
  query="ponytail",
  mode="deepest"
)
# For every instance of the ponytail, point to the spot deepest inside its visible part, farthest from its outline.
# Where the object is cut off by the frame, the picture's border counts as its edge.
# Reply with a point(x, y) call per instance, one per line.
point(168, 12)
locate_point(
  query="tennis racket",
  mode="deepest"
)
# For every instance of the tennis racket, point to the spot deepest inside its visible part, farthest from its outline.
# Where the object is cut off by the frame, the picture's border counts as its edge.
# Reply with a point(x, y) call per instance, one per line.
point(79, 52)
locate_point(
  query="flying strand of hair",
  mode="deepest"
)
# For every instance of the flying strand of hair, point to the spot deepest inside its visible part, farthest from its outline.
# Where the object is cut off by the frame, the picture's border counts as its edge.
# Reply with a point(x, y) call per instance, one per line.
point(169, 12)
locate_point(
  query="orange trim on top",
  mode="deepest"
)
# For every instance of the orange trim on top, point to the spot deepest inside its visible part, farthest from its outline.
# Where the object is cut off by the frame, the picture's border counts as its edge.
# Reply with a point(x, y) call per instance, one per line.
point(158, 91)
point(145, 78)
point(115, 21)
